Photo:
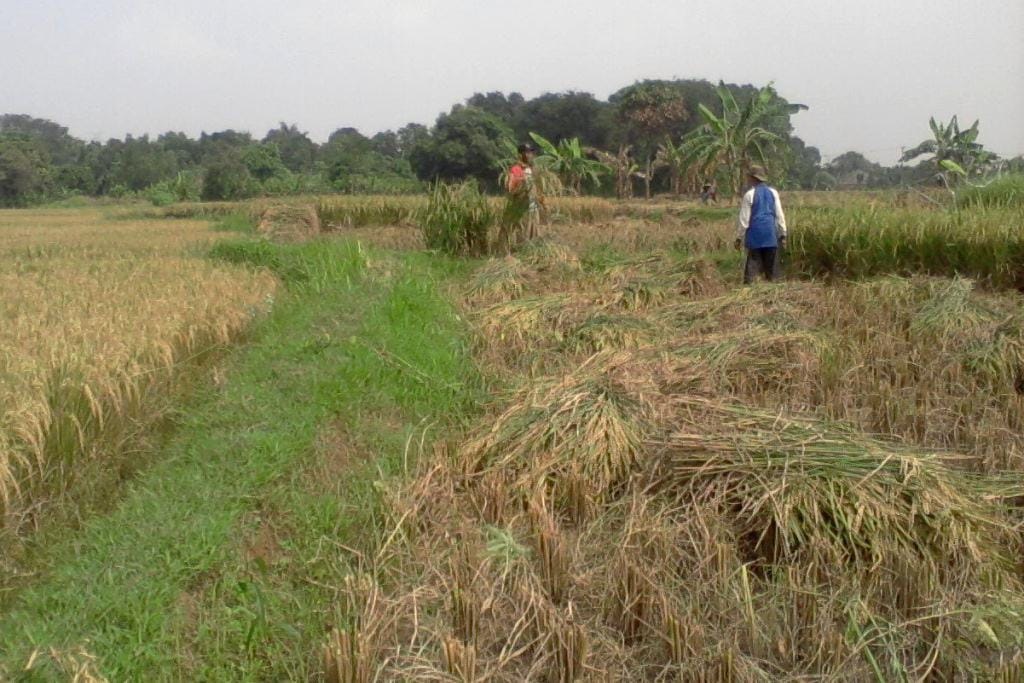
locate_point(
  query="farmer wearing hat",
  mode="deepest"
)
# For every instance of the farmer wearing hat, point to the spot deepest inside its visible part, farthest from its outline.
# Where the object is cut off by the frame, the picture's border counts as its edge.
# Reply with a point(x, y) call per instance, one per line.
point(522, 210)
point(761, 227)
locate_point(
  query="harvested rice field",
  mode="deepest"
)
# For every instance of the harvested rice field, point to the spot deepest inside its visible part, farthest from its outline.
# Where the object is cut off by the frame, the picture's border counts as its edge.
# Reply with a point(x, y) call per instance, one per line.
point(599, 457)
point(681, 478)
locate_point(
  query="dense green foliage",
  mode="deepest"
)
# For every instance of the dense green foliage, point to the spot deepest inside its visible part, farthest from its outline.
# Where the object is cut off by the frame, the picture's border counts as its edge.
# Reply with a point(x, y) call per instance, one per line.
point(636, 133)
point(467, 143)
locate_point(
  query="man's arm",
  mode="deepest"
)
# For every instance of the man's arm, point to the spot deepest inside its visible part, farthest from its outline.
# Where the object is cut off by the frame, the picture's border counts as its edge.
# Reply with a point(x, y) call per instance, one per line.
point(780, 217)
point(744, 218)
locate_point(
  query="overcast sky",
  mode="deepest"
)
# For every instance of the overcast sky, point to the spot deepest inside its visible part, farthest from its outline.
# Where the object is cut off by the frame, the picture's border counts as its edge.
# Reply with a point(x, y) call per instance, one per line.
point(871, 71)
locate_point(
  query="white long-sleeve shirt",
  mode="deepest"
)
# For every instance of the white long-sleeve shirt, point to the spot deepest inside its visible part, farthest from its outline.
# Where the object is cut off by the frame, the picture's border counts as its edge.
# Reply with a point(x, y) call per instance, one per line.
point(748, 204)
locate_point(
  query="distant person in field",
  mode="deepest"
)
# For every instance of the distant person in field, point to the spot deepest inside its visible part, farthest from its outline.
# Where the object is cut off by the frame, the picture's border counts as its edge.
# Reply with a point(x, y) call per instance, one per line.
point(521, 220)
point(709, 192)
point(761, 228)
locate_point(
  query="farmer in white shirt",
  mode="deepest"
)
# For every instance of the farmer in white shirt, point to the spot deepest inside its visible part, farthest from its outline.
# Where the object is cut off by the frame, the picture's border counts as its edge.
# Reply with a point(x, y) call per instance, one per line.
point(761, 227)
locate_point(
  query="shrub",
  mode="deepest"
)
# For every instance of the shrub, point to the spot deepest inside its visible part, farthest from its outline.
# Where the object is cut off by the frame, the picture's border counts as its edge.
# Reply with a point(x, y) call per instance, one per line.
point(457, 220)
point(226, 178)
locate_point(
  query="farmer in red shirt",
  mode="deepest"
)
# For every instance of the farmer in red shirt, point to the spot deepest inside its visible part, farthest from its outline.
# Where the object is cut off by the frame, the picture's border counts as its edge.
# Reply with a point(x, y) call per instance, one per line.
point(522, 210)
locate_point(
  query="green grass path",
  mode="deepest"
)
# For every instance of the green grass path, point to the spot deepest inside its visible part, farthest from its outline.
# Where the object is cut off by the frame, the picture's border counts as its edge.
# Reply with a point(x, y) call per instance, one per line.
point(220, 561)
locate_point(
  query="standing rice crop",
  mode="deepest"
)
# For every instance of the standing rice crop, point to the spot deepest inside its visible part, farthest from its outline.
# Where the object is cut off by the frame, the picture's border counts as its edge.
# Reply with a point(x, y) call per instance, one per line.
point(103, 319)
point(982, 243)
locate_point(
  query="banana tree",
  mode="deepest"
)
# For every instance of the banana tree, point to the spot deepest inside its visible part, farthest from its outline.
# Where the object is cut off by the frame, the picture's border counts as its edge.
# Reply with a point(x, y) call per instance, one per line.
point(956, 153)
point(737, 138)
point(674, 158)
point(568, 160)
point(623, 167)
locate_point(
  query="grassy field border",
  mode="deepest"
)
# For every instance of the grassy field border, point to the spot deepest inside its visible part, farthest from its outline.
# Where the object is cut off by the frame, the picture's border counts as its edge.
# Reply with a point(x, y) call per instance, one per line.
point(223, 559)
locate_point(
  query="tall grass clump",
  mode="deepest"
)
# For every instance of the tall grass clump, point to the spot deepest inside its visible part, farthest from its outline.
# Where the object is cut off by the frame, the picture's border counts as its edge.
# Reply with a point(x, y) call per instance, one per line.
point(457, 220)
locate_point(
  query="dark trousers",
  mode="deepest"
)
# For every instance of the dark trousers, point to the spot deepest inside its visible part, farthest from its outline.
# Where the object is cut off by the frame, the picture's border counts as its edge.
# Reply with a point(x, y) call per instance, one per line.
point(763, 261)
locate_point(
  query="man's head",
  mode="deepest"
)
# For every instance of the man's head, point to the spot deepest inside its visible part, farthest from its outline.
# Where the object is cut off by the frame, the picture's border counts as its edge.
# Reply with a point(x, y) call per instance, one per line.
point(757, 174)
point(526, 151)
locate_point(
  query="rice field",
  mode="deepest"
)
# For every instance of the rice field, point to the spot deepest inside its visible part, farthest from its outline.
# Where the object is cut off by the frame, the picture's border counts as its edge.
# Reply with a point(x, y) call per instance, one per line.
point(680, 478)
point(675, 477)
point(101, 318)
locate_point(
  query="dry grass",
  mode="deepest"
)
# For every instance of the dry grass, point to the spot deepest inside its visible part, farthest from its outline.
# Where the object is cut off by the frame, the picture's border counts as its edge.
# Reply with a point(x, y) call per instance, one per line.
point(100, 319)
point(939, 363)
point(600, 529)
point(689, 482)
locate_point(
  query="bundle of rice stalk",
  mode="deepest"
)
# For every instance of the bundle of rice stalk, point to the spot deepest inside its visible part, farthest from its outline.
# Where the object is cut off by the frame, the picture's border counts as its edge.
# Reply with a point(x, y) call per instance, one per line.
point(781, 306)
point(638, 295)
point(586, 420)
point(547, 256)
point(607, 332)
point(946, 308)
point(691, 277)
point(499, 280)
point(998, 361)
point(759, 362)
point(802, 490)
point(289, 223)
point(696, 278)
point(523, 323)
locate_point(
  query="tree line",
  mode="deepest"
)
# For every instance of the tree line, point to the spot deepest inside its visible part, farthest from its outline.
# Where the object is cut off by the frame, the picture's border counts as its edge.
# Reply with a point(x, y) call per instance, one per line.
point(652, 136)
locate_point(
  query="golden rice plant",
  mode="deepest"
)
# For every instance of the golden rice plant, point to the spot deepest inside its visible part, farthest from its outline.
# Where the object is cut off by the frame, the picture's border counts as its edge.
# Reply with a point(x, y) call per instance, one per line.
point(104, 318)
point(354, 211)
point(982, 243)
point(582, 209)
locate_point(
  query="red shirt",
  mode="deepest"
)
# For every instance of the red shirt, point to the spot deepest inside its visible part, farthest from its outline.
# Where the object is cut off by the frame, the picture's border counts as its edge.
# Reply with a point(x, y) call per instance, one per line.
point(516, 176)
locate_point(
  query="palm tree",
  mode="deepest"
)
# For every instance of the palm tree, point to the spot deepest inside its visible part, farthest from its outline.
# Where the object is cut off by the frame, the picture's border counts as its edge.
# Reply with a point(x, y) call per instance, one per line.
point(569, 162)
point(739, 136)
